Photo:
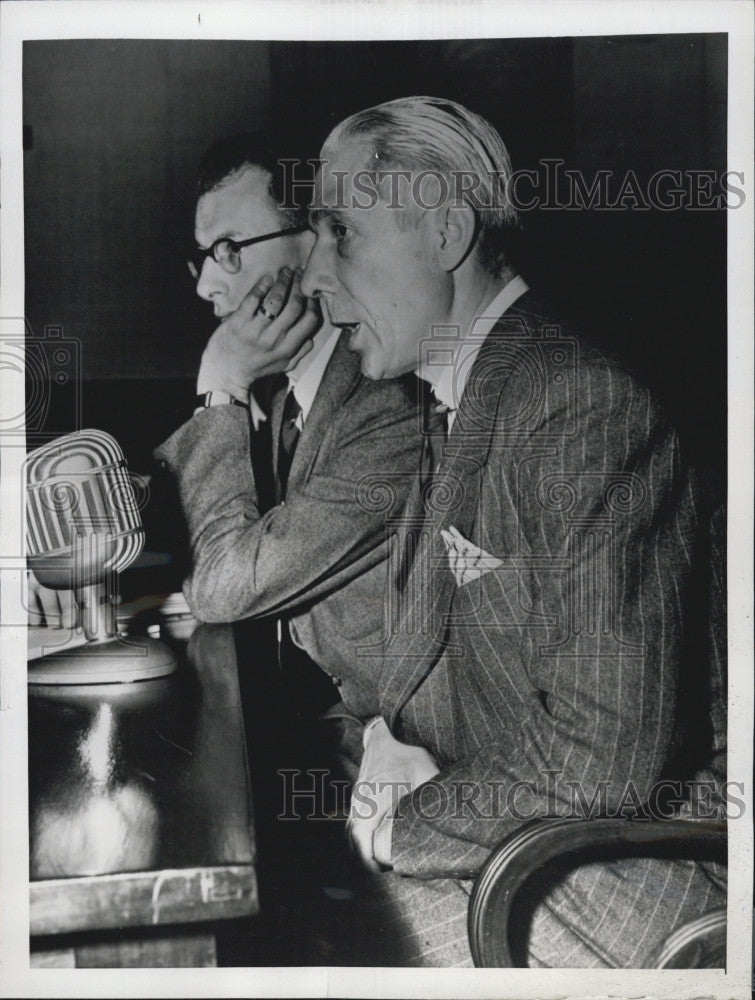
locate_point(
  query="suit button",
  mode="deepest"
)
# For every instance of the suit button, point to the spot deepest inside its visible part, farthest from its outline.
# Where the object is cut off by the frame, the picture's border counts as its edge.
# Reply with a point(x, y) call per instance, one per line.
point(336, 680)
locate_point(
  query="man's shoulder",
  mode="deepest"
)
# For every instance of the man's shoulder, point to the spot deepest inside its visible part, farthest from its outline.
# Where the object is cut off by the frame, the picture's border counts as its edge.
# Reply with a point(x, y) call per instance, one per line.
point(547, 356)
point(560, 342)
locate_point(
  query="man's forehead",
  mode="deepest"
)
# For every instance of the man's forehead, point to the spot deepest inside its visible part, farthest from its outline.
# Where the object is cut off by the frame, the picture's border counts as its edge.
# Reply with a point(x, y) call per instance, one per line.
point(237, 203)
point(351, 154)
point(339, 166)
point(351, 182)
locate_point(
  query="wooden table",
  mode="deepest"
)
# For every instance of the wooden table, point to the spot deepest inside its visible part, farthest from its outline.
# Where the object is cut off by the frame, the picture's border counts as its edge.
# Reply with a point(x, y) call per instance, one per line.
point(140, 818)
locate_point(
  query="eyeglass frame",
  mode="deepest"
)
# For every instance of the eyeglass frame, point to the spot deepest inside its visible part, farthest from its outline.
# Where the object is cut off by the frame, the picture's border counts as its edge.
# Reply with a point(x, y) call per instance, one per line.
point(200, 255)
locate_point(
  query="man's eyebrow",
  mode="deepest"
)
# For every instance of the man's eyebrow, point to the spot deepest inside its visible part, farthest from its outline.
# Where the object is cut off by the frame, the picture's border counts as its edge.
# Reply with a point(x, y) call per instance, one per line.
point(317, 215)
point(234, 235)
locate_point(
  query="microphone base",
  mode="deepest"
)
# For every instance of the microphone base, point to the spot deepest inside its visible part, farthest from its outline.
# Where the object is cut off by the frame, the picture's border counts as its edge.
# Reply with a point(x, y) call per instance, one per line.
point(121, 660)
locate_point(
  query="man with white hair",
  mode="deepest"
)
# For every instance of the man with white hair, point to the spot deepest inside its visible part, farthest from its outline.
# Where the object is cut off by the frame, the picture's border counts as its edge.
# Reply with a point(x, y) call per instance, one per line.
point(550, 657)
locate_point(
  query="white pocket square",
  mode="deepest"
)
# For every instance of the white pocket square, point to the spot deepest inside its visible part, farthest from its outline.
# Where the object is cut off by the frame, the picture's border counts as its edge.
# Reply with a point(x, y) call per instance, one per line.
point(466, 560)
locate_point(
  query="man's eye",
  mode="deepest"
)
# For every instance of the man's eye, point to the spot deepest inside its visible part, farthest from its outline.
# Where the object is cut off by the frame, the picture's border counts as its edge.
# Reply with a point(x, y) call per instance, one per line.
point(224, 249)
point(340, 231)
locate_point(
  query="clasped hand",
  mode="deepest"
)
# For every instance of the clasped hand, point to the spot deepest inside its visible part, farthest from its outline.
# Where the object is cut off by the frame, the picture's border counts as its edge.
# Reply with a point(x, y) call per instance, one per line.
point(270, 332)
point(389, 770)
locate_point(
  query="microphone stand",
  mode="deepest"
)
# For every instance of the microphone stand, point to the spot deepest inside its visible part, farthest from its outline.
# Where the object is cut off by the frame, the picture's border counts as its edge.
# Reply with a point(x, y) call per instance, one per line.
point(107, 657)
point(97, 610)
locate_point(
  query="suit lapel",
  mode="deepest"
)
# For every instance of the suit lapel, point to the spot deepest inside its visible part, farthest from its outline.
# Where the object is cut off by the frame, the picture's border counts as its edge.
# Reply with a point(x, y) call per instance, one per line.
point(276, 416)
point(453, 499)
point(339, 380)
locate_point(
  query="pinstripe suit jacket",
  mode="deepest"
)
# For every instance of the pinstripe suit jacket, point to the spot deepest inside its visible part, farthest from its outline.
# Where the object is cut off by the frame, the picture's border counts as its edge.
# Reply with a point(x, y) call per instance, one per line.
point(571, 672)
point(319, 559)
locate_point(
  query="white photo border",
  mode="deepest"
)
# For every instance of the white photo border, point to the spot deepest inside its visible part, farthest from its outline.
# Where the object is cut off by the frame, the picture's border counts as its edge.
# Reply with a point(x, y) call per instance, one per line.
point(360, 19)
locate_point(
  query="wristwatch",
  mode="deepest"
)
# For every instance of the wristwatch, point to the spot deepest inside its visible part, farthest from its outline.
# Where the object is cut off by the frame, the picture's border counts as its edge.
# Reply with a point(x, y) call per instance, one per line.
point(217, 397)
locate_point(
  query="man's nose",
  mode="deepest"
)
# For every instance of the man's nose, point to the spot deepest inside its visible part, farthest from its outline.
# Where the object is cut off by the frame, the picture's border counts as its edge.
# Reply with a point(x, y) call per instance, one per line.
point(211, 280)
point(318, 278)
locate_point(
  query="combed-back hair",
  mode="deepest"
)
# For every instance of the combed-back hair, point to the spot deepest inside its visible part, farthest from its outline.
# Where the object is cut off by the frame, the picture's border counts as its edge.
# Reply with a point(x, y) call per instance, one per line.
point(434, 134)
point(228, 157)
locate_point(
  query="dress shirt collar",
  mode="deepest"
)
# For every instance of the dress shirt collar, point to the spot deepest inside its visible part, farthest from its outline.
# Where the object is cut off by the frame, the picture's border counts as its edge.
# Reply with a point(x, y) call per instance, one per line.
point(305, 386)
point(449, 380)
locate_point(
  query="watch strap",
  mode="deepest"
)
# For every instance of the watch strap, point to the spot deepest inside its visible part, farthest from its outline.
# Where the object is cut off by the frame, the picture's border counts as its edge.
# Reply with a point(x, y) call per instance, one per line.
point(217, 397)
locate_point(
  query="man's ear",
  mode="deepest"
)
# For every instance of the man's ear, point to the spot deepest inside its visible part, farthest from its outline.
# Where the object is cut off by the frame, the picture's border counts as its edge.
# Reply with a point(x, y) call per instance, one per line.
point(455, 230)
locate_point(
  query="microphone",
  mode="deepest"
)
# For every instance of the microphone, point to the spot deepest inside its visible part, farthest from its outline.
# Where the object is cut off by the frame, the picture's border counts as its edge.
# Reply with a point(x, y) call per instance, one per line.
point(82, 529)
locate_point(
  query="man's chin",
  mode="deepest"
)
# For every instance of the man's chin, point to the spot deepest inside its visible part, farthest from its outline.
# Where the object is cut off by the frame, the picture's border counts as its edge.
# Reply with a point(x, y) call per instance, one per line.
point(376, 367)
point(373, 368)
point(367, 363)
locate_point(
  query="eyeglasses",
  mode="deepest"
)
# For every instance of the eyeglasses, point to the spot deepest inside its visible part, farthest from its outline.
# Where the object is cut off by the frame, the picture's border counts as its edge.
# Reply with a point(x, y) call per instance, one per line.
point(226, 252)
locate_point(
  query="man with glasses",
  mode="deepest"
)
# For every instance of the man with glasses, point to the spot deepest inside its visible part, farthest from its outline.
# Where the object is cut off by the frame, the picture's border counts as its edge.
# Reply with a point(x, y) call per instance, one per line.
point(315, 560)
point(294, 537)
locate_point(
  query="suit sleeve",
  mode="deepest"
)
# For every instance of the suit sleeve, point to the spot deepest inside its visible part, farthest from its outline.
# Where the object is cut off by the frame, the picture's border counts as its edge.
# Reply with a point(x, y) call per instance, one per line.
point(244, 564)
point(593, 719)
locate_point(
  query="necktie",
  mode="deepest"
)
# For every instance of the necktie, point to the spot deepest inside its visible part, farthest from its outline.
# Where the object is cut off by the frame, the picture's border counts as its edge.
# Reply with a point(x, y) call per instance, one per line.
point(287, 440)
point(261, 453)
point(436, 426)
point(261, 441)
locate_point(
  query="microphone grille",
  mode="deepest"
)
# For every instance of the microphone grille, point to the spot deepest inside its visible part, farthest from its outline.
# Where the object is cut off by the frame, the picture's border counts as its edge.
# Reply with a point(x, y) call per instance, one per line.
point(78, 484)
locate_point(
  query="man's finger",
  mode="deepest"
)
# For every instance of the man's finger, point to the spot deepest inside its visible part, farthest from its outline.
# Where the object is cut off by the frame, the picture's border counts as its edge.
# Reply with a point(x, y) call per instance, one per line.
point(288, 340)
point(298, 340)
point(296, 302)
point(273, 303)
point(251, 301)
point(305, 348)
point(360, 834)
point(284, 350)
point(48, 601)
point(365, 813)
point(67, 609)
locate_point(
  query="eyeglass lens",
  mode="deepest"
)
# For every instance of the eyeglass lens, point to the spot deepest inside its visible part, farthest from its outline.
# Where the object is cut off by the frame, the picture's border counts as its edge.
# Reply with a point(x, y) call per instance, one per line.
point(227, 256)
point(223, 252)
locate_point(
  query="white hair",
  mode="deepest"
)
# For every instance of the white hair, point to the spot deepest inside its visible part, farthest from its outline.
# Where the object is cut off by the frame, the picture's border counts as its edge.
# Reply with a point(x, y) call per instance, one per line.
point(441, 136)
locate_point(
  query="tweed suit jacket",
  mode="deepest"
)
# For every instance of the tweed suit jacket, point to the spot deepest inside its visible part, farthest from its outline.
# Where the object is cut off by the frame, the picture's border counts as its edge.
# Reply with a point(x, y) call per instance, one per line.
point(575, 670)
point(319, 559)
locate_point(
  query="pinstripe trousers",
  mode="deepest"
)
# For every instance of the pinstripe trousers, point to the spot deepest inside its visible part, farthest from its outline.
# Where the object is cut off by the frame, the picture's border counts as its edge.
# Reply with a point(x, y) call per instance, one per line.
point(626, 904)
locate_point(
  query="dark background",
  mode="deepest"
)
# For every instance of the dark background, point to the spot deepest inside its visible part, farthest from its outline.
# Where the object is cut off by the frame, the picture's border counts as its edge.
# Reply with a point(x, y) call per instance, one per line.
point(113, 131)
